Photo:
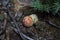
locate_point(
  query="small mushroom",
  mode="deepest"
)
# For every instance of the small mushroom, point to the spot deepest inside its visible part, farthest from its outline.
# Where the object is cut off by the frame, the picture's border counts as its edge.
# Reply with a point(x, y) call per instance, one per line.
point(30, 20)
point(27, 21)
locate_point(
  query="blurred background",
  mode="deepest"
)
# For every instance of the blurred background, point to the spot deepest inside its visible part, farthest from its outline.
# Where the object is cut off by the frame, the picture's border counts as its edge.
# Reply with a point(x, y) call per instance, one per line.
point(12, 13)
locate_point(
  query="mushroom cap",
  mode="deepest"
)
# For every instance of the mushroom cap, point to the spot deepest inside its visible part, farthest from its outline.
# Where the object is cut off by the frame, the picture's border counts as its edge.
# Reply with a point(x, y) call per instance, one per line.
point(27, 21)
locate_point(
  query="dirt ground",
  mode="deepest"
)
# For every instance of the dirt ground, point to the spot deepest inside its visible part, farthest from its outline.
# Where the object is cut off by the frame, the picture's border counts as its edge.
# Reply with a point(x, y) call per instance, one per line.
point(12, 28)
point(47, 28)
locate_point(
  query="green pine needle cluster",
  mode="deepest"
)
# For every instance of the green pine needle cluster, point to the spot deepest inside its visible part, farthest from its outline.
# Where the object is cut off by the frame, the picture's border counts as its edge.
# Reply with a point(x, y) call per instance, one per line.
point(49, 5)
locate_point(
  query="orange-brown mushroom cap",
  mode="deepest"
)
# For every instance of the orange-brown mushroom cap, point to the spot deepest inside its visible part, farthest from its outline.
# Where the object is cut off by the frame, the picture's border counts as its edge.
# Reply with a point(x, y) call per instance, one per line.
point(27, 21)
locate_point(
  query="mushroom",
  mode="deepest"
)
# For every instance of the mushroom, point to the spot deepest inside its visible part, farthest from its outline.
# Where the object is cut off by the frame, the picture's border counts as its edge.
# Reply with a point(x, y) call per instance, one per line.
point(27, 21)
point(30, 20)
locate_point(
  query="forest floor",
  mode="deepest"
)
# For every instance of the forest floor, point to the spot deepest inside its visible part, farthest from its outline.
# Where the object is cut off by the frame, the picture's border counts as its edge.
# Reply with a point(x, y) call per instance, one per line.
point(47, 28)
